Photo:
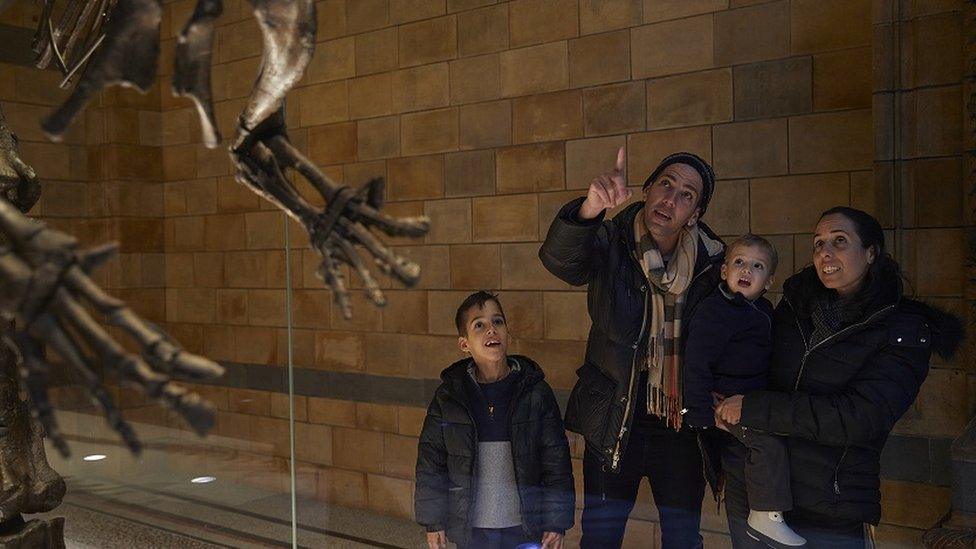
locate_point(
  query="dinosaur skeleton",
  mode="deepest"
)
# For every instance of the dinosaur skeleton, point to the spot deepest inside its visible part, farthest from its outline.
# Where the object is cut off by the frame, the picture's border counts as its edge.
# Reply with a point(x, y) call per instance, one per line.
point(44, 276)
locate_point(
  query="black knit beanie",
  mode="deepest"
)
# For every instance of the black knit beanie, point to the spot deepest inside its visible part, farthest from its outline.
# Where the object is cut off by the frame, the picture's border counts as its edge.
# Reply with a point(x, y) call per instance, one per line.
point(700, 166)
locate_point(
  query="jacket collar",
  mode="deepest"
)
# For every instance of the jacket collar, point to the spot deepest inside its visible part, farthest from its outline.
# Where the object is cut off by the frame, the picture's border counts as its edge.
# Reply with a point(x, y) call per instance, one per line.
point(457, 374)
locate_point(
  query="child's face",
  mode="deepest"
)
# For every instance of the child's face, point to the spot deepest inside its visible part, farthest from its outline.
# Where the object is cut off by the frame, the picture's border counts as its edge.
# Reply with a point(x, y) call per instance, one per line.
point(746, 270)
point(486, 333)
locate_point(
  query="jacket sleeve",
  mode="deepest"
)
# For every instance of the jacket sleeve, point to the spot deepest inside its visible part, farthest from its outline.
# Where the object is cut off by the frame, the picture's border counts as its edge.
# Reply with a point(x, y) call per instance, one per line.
point(708, 336)
point(432, 483)
point(573, 249)
point(559, 491)
point(865, 410)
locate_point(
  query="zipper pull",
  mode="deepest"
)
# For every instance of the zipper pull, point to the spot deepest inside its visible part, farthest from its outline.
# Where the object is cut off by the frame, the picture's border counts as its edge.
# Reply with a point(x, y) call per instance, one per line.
point(836, 487)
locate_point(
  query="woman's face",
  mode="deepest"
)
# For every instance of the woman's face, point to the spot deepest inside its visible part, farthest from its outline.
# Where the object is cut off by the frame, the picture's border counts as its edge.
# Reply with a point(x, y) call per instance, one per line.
point(839, 256)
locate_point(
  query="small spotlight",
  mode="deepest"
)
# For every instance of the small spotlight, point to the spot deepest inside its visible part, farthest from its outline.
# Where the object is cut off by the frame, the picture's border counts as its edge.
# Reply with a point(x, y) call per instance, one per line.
point(202, 480)
point(94, 457)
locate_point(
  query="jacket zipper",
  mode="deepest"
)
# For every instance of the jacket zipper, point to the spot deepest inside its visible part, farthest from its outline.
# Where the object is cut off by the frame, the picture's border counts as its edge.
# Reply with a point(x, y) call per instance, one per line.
point(837, 470)
point(511, 447)
point(810, 349)
point(633, 363)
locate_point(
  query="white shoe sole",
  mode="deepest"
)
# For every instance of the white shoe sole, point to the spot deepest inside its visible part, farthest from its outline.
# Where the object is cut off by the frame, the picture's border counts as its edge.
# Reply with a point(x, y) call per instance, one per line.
point(770, 542)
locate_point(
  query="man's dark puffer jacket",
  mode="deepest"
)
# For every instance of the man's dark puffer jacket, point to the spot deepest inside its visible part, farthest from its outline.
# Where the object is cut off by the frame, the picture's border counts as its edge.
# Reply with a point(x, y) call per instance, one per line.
point(602, 254)
point(449, 446)
point(838, 401)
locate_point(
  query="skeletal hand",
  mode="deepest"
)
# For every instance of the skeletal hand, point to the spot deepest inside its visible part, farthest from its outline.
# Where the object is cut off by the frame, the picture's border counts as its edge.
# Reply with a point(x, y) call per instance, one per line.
point(44, 279)
point(18, 182)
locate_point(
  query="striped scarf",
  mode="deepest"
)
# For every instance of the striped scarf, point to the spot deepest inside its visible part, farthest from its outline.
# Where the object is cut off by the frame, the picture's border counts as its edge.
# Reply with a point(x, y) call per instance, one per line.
point(668, 284)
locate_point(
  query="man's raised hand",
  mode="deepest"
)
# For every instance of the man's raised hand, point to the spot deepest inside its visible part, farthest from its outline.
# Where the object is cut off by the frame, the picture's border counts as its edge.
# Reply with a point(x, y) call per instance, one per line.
point(607, 190)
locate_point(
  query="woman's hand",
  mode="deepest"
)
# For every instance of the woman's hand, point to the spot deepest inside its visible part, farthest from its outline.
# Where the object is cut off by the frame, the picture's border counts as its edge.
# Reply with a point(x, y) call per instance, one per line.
point(437, 540)
point(552, 540)
point(730, 410)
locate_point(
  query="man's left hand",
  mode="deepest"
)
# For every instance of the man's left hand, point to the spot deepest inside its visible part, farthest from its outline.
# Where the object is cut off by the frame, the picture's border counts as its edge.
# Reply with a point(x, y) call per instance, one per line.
point(552, 540)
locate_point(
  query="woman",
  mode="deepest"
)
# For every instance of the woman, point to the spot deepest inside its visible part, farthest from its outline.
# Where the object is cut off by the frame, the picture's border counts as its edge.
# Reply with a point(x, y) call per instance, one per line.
point(849, 355)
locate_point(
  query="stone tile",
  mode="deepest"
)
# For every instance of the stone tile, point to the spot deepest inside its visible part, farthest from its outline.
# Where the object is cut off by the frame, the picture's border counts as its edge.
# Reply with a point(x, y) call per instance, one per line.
point(331, 18)
point(524, 314)
point(410, 420)
point(464, 5)
point(530, 168)
point(936, 192)
point(485, 125)
point(333, 144)
point(774, 88)
point(646, 150)
point(429, 132)
point(671, 47)
point(399, 455)
point(558, 359)
point(888, 535)
point(378, 138)
point(475, 267)
point(390, 496)
point(550, 204)
point(435, 265)
point(388, 354)
point(245, 269)
point(366, 15)
point(357, 449)
point(831, 142)
point(566, 315)
point(937, 121)
point(345, 488)
point(588, 158)
point(599, 59)
point(824, 25)
point(752, 34)
point(376, 51)
point(405, 312)
point(255, 345)
point(603, 15)
point(871, 192)
point(416, 178)
point(505, 219)
point(475, 79)
point(376, 417)
point(483, 30)
point(617, 108)
point(404, 11)
point(749, 149)
point(548, 117)
point(662, 10)
point(365, 318)
point(428, 41)
point(538, 21)
point(536, 69)
point(419, 88)
point(333, 60)
point(937, 56)
point(522, 270)
point(450, 221)
point(690, 99)
point(913, 504)
point(332, 412)
point(939, 261)
point(728, 210)
point(842, 79)
point(793, 204)
point(441, 308)
point(370, 96)
point(313, 443)
point(469, 173)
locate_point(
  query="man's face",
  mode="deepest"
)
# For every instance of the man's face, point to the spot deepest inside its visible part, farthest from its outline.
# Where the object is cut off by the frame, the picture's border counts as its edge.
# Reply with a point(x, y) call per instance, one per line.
point(486, 333)
point(671, 201)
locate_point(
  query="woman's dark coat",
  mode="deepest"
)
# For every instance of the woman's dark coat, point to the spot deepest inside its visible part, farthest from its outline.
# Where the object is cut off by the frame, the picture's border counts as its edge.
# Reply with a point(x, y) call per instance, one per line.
point(449, 447)
point(838, 399)
point(601, 253)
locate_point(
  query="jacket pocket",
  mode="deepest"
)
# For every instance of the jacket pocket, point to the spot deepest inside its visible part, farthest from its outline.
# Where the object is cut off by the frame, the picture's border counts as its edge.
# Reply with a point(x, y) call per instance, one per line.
point(588, 409)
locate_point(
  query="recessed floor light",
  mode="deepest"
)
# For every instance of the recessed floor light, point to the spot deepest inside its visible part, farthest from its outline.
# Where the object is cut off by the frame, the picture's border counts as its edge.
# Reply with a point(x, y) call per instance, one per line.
point(94, 457)
point(202, 480)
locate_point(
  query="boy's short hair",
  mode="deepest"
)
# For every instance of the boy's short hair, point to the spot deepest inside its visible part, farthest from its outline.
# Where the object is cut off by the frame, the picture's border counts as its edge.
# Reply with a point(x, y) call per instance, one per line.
point(478, 298)
point(750, 239)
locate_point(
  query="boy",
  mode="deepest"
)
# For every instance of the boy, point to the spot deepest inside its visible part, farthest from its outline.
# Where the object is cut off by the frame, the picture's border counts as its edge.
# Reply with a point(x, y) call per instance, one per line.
point(493, 467)
point(728, 353)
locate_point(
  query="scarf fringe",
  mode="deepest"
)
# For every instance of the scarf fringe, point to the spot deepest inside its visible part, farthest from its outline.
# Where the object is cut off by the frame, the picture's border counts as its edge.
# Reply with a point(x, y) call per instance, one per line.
point(665, 406)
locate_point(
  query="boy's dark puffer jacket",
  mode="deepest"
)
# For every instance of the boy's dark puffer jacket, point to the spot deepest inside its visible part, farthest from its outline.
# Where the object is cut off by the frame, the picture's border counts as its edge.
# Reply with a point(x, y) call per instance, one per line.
point(449, 446)
point(838, 400)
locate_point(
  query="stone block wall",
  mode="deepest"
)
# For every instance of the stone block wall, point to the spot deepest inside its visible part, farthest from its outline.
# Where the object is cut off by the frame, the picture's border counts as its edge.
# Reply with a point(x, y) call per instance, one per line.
point(488, 116)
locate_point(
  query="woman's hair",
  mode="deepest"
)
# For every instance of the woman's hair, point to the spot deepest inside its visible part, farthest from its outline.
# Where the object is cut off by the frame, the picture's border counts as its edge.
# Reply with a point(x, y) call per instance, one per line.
point(884, 274)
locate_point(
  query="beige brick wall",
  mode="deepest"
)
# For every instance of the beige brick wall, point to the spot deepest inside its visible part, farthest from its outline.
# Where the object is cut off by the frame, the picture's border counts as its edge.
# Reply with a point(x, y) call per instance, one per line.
point(488, 116)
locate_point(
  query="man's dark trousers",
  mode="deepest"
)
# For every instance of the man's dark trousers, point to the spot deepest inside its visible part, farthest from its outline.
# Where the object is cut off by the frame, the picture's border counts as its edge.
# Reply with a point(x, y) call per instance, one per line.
point(672, 462)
